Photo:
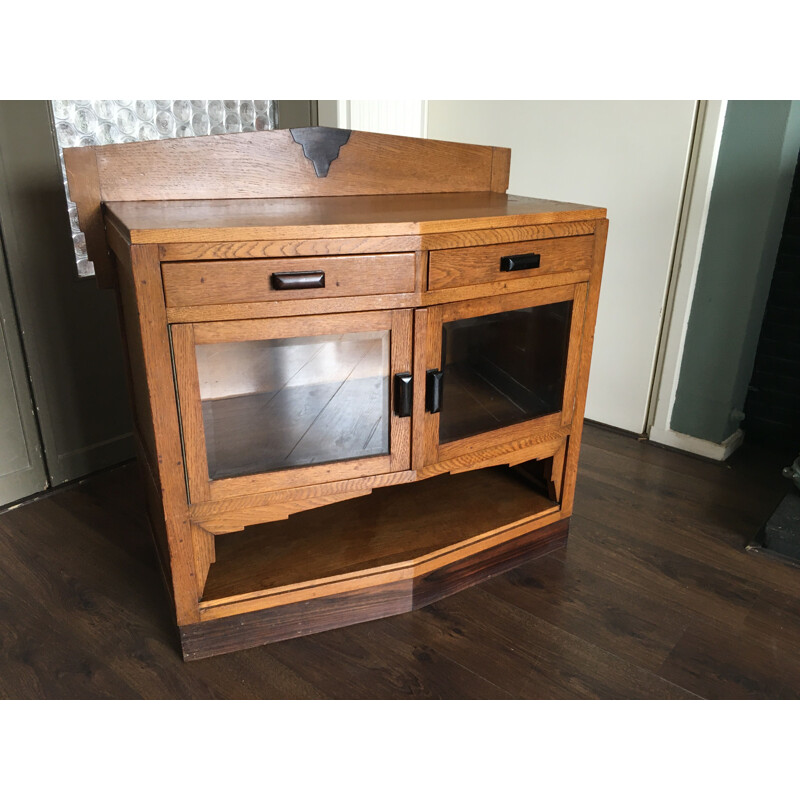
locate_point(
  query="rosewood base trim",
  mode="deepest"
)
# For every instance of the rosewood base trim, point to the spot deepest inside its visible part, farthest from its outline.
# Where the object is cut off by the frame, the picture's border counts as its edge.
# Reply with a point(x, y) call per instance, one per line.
point(229, 634)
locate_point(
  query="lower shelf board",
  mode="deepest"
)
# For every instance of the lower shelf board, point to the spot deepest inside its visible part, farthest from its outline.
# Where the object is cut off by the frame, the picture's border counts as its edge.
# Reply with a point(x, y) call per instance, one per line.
point(395, 532)
point(317, 614)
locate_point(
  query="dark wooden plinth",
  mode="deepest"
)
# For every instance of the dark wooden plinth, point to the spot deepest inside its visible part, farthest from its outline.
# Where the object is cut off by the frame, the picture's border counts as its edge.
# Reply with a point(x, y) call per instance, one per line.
point(228, 634)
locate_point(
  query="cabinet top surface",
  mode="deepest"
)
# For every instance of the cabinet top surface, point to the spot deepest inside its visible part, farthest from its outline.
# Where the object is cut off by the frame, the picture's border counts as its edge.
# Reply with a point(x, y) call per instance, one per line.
point(175, 221)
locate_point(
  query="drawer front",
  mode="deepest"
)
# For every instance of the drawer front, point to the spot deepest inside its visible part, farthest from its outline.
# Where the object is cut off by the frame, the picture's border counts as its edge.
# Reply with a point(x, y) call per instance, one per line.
point(216, 282)
point(463, 266)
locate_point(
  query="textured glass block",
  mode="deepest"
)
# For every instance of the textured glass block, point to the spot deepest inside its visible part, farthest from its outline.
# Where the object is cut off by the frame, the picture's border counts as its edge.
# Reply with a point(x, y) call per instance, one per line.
point(200, 123)
point(83, 123)
point(104, 109)
point(85, 120)
point(126, 120)
point(145, 109)
point(216, 111)
point(247, 112)
point(182, 109)
point(165, 123)
point(232, 123)
point(147, 133)
point(79, 241)
point(107, 134)
point(61, 109)
point(66, 134)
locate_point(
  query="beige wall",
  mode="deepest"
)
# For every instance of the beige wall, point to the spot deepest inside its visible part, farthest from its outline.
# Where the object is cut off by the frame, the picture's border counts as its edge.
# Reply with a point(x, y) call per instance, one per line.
point(629, 157)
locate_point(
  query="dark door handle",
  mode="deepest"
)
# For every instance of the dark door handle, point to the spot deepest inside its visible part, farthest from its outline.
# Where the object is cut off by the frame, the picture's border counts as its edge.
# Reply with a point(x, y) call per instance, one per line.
point(433, 390)
point(403, 394)
point(517, 263)
point(298, 280)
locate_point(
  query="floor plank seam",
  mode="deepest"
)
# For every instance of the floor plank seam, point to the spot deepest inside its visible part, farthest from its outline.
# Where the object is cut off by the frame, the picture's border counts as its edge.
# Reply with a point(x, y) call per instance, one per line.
point(587, 643)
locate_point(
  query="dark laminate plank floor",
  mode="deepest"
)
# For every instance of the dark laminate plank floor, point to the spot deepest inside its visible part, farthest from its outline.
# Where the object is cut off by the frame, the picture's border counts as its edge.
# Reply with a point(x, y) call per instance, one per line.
point(654, 597)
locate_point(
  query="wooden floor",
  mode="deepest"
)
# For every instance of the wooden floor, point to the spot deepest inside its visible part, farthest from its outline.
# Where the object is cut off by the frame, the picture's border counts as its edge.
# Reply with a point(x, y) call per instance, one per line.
point(654, 597)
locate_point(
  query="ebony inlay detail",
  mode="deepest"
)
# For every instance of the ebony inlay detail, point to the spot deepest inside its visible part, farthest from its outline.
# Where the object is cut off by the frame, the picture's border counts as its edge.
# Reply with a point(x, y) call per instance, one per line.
point(321, 145)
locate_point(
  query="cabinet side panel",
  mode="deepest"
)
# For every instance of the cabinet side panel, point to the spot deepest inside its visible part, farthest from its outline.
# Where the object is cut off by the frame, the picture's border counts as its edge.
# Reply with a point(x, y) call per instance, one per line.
point(155, 511)
point(592, 298)
point(154, 393)
point(134, 358)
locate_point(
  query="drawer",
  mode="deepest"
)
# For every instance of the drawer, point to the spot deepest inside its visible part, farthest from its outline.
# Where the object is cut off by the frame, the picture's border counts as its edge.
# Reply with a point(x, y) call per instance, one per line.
point(215, 282)
point(464, 266)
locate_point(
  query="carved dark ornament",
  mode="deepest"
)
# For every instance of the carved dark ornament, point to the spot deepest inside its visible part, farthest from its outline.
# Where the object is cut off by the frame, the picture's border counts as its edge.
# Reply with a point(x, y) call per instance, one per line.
point(320, 145)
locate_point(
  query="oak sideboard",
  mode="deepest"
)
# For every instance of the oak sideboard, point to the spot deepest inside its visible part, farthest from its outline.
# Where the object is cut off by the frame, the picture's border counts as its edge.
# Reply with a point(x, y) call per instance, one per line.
point(358, 368)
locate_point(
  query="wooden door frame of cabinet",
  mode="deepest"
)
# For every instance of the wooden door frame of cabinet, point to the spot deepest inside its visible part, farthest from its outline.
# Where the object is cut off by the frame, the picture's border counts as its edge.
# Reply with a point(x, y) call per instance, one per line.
point(521, 439)
point(184, 338)
point(188, 547)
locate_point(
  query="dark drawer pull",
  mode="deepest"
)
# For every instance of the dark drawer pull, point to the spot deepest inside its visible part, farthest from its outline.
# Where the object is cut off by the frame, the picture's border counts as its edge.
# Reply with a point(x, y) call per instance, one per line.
point(298, 280)
point(403, 394)
point(516, 263)
point(433, 391)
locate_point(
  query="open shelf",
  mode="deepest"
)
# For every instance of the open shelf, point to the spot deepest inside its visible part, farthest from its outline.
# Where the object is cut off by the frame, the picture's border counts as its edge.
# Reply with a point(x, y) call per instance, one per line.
point(391, 526)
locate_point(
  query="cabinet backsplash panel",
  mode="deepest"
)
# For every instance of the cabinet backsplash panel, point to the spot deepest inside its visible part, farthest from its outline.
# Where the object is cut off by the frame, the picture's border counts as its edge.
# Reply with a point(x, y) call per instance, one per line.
point(82, 123)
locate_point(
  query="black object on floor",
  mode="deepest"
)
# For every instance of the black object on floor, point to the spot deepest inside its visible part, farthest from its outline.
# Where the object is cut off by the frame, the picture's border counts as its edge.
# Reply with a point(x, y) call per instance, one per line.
point(780, 535)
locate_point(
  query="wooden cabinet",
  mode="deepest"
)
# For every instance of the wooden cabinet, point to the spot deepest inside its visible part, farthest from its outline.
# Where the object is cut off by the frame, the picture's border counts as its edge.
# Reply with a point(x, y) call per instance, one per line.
point(358, 368)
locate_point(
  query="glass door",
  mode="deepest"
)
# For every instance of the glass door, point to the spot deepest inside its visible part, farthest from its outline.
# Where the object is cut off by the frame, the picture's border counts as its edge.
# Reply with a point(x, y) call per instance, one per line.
point(278, 403)
point(500, 369)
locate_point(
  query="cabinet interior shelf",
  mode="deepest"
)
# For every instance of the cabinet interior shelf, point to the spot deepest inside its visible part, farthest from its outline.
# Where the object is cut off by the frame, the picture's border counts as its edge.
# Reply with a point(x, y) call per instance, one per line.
point(391, 526)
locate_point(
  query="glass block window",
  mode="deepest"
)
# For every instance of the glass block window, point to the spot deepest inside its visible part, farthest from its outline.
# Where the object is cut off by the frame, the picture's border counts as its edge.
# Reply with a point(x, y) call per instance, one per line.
point(80, 123)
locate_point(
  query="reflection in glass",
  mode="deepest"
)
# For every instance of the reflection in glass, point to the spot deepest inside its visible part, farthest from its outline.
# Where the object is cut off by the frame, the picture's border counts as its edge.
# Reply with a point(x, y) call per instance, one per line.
point(283, 403)
point(502, 369)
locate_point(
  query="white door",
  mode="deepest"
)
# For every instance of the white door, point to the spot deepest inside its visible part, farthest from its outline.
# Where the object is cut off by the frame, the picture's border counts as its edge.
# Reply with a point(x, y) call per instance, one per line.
point(629, 157)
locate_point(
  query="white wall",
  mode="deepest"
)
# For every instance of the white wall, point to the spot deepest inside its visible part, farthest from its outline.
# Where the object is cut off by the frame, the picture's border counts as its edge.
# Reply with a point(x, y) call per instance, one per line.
point(629, 157)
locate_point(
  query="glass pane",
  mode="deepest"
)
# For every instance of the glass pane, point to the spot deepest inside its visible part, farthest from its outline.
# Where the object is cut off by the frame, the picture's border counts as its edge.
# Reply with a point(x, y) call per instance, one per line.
point(502, 369)
point(280, 403)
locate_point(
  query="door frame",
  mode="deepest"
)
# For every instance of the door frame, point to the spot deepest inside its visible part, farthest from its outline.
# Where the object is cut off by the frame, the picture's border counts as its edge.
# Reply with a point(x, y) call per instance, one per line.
point(20, 476)
point(690, 235)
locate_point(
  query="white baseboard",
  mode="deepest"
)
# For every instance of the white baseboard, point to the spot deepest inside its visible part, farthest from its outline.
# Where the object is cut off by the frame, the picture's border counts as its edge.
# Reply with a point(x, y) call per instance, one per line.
point(700, 447)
